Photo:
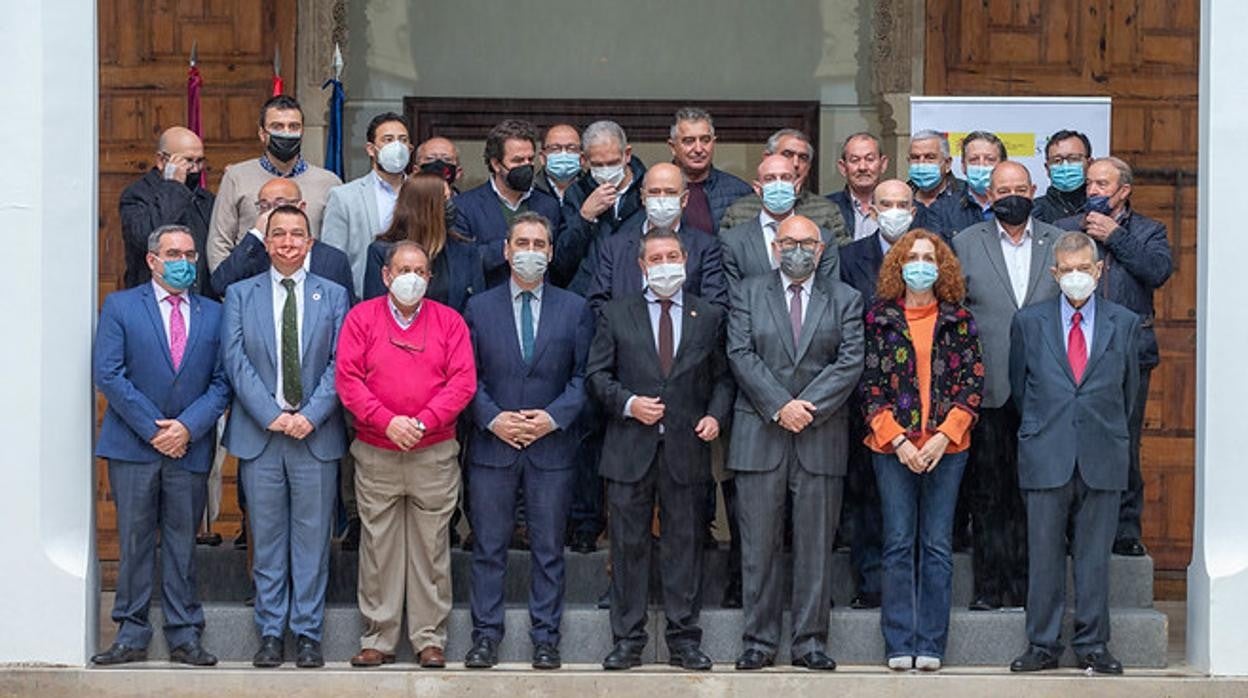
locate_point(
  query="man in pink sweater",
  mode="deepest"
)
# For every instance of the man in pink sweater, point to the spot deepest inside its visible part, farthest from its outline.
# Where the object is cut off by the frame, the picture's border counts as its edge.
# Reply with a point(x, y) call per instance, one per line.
point(405, 370)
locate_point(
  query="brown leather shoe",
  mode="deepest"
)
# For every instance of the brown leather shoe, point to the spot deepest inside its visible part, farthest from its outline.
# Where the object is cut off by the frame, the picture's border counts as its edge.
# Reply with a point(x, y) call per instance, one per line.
point(432, 658)
point(371, 657)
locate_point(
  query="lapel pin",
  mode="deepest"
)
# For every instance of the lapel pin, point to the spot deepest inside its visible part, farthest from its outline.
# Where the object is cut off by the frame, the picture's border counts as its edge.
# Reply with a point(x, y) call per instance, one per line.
point(693, 313)
point(316, 296)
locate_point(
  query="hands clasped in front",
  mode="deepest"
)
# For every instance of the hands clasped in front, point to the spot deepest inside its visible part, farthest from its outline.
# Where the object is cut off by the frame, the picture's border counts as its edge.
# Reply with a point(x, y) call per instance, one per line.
point(650, 410)
point(923, 460)
point(171, 439)
point(521, 428)
point(294, 425)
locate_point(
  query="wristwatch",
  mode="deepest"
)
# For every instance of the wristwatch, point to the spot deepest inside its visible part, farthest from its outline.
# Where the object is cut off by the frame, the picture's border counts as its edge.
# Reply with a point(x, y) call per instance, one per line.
point(419, 424)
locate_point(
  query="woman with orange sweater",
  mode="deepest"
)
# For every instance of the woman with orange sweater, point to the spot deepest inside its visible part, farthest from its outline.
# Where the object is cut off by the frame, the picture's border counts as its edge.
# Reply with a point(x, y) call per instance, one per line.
point(921, 390)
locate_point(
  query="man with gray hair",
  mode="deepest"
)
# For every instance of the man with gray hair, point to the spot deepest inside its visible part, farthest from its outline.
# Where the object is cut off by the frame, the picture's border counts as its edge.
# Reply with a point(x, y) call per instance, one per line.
point(930, 174)
point(794, 146)
point(711, 191)
point(862, 164)
point(1137, 262)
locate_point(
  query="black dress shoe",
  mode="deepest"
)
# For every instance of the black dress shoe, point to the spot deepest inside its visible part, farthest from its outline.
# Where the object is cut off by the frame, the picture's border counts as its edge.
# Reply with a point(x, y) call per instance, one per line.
point(240, 541)
point(351, 540)
point(732, 593)
point(985, 603)
point(623, 656)
point(584, 542)
point(751, 660)
point(690, 659)
point(864, 601)
point(455, 538)
point(546, 656)
point(604, 601)
point(271, 653)
point(1130, 548)
point(483, 655)
point(467, 543)
point(193, 654)
point(120, 654)
point(1101, 662)
point(308, 653)
point(816, 661)
point(1034, 659)
point(209, 539)
point(520, 538)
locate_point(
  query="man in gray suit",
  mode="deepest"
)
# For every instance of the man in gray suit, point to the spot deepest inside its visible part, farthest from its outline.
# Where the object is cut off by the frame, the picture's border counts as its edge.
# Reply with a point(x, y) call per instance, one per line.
point(360, 210)
point(795, 344)
point(278, 342)
point(1005, 261)
point(1074, 376)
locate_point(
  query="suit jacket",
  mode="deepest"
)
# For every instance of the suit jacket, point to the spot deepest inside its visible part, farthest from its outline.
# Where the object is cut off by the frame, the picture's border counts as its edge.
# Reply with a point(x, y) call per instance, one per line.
point(722, 190)
point(552, 380)
point(624, 361)
point(823, 368)
point(860, 266)
point(618, 274)
point(351, 222)
point(843, 201)
point(990, 296)
point(577, 249)
point(1067, 425)
point(249, 258)
point(457, 273)
point(950, 215)
point(153, 201)
point(134, 371)
point(249, 351)
point(479, 216)
point(746, 253)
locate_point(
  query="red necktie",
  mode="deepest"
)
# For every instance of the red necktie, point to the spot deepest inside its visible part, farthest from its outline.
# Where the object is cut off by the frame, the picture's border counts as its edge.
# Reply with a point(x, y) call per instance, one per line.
point(1076, 347)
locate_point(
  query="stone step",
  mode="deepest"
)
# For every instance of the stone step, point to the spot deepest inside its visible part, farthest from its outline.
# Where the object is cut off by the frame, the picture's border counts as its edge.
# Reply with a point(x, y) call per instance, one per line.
point(1139, 636)
point(222, 573)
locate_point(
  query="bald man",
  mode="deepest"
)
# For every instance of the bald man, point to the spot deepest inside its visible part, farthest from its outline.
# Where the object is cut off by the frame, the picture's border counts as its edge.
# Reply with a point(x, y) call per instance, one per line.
point(561, 160)
point(1006, 261)
point(171, 193)
point(440, 156)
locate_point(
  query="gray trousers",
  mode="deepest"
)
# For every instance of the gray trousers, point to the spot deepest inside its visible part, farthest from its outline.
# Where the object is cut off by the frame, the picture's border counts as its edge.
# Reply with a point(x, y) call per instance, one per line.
point(816, 511)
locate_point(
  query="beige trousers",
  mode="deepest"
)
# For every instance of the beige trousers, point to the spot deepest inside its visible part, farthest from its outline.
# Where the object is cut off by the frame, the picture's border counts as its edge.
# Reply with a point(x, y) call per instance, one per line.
point(405, 502)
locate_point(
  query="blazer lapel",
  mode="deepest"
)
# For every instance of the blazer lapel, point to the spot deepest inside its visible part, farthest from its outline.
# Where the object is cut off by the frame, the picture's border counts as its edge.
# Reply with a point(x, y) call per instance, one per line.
point(546, 318)
point(1055, 337)
point(262, 316)
point(814, 312)
point(1039, 257)
point(196, 329)
point(779, 308)
point(1102, 333)
point(992, 247)
point(641, 320)
point(690, 322)
point(158, 325)
point(312, 296)
point(758, 249)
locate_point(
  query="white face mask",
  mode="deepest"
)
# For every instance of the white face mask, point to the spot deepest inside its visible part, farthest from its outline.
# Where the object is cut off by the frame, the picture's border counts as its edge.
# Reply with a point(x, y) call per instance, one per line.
point(894, 222)
point(393, 157)
point(662, 211)
point(665, 279)
point(408, 289)
point(608, 174)
point(529, 265)
point(1077, 285)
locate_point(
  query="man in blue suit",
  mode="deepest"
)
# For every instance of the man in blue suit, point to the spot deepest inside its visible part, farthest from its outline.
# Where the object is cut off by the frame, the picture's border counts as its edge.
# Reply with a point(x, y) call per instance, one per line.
point(530, 341)
point(1074, 375)
point(485, 213)
point(278, 344)
point(155, 360)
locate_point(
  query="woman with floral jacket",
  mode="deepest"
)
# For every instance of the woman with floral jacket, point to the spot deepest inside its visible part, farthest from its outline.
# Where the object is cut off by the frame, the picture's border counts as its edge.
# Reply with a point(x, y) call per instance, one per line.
point(921, 390)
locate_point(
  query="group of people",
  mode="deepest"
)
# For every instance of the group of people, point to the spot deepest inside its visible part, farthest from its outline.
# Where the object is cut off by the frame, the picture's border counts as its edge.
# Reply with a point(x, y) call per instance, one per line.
point(950, 358)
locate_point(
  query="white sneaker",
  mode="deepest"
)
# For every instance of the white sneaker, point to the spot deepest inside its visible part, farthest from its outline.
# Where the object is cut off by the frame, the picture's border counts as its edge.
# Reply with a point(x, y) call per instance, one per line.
point(901, 663)
point(924, 663)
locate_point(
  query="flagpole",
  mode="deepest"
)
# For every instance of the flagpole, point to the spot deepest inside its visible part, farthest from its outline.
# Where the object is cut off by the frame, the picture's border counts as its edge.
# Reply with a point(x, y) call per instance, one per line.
point(277, 71)
point(333, 139)
point(194, 83)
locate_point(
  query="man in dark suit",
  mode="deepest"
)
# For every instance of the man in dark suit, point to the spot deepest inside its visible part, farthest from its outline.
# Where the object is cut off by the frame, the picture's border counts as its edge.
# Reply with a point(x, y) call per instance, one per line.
point(1074, 377)
point(171, 193)
point(657, 366)
point(530, 341)
point(484, 213)
point(795, 342)
point(155, 361)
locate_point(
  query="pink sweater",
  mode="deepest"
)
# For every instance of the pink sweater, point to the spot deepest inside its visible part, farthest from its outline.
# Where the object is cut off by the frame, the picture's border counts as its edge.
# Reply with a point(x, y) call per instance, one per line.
point(426, 371)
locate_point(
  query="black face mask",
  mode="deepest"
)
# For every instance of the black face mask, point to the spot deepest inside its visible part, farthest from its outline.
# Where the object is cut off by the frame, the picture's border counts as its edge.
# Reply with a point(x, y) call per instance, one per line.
point(192, 180)
point(450, 214)
point(285, 148)
point(441, 168)
point(1012, 210)
point(520, 178)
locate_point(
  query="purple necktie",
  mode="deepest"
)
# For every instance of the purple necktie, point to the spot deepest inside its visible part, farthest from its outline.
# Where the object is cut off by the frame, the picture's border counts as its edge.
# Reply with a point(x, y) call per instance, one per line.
point(795, 313)
point(177, 331)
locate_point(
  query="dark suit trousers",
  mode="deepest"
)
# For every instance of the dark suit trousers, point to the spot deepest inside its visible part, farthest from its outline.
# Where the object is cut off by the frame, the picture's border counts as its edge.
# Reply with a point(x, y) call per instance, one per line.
point(492, 496)
point(862, 515)
point(1133, 496)
point(1093, 514)
point(816, 510)
point(586, 516)
point(998, 518)
point(630, 507)
point(149, 497)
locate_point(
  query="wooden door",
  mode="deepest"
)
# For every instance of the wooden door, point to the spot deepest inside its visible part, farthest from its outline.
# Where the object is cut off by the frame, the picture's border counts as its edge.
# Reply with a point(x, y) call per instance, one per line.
point(1144, 54)
point(144, 50)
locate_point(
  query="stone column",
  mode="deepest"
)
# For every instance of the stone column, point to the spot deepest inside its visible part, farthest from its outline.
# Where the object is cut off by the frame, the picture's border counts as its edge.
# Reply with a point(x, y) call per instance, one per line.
point(49, 212)
point(897, 43)
point(321, 23)
point(1217, 580)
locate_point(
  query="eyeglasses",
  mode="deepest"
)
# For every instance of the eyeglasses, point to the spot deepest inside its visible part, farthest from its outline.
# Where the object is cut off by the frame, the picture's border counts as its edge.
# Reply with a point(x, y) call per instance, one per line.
point(555, 148)
point(173, 255)
point(1068, 159)
point(788, 244)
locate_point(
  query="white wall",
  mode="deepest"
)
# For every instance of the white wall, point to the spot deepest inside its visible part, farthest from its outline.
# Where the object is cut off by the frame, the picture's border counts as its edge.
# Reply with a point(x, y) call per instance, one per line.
point(49, 219)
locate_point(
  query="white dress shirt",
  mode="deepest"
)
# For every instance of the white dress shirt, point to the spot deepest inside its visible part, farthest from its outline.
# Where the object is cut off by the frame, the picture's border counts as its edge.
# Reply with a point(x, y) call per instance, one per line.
point(166, 309)
point(864, 224)
point(770, 225)
point(386, 196)
point(517, 305)
point(806, 285)
point(1017, 260)
point(279, 304)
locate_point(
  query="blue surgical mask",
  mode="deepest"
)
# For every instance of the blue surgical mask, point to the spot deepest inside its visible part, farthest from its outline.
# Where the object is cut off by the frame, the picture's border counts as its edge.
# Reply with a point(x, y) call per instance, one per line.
point(1099, 204)
point(925, 175)
point(779, 196)
point(978, 177)
point(1067, 176)
point(919, 276)
point(563, 166)
point(179, 274)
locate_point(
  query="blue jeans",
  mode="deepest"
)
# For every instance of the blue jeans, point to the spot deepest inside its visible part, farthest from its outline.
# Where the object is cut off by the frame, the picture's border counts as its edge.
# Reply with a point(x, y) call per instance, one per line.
point(914, 612)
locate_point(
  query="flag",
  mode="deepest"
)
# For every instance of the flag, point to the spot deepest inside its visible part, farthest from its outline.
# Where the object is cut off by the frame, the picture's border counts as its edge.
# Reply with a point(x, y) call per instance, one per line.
point(194, 83)
point(277, 72)
point(333, 139)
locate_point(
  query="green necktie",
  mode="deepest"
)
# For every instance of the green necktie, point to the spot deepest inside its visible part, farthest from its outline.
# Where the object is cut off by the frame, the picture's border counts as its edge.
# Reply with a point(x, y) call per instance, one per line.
point(526, 325)
point(292, 385)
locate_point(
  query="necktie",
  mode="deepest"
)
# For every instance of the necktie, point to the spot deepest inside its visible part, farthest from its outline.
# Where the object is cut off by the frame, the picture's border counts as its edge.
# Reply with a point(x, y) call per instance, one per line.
point(1077, 347)
point(292, 382)
point(666, 344)
point(526, 325)
point(795, 313)
point(177, 331)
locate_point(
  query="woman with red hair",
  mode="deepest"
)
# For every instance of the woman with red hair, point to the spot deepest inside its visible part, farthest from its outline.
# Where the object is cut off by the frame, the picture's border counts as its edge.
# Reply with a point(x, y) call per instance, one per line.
point(921, 390)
